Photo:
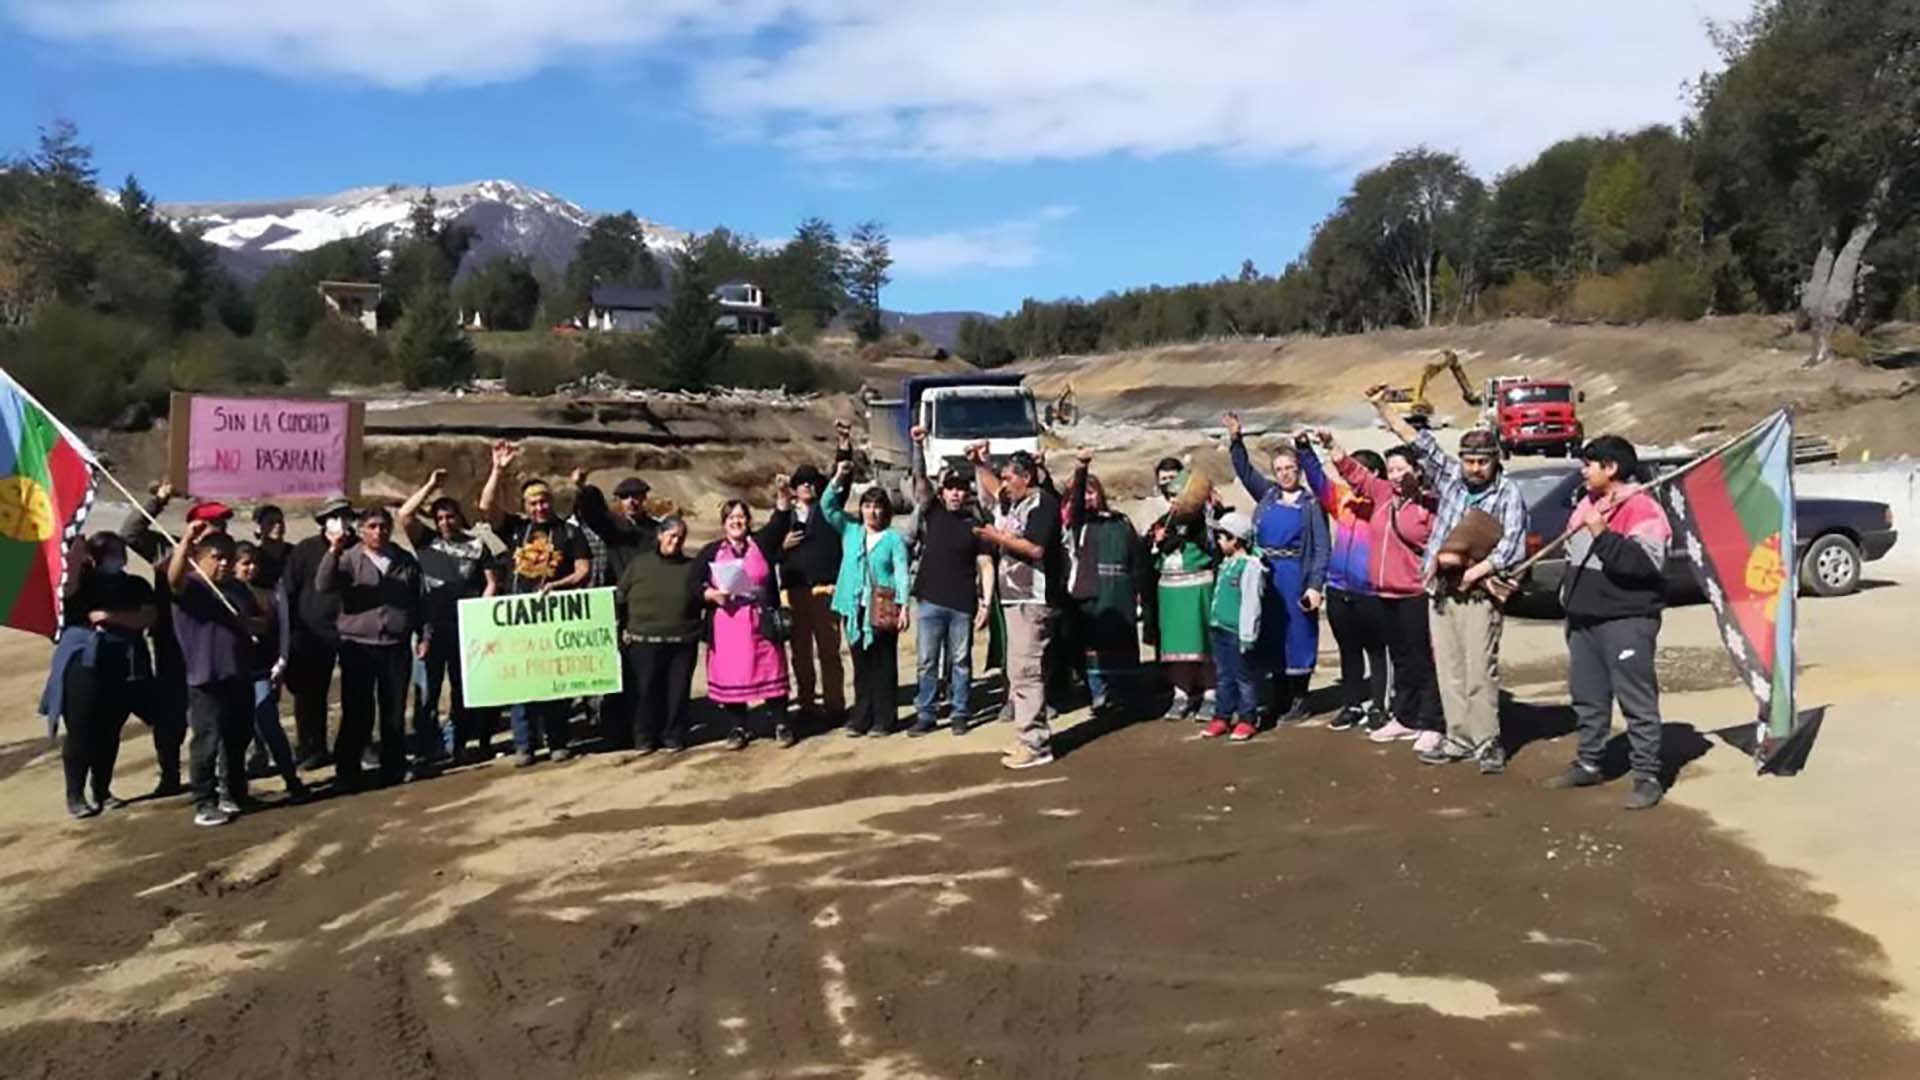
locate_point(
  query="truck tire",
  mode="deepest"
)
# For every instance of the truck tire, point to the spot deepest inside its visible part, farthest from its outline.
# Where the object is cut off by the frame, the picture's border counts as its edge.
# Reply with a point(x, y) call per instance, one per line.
point(1831, 566)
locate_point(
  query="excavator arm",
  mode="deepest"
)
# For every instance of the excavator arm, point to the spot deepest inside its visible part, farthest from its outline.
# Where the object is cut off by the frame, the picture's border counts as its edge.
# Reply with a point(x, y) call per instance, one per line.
point(1449, 362)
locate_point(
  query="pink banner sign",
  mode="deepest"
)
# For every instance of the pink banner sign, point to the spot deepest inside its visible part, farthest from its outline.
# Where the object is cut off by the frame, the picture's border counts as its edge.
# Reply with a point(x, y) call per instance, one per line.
point(250, 448)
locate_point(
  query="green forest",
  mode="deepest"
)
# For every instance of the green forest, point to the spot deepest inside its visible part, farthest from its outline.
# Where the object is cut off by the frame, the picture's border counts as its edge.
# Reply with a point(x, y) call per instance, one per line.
point(1789, 189)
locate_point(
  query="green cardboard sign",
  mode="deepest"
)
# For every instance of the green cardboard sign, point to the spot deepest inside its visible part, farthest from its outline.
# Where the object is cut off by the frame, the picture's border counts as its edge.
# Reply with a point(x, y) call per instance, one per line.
point(518, 649)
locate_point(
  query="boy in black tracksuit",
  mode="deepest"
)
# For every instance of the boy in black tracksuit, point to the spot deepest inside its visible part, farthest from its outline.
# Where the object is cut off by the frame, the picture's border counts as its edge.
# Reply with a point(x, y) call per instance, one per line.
point(1613, 594)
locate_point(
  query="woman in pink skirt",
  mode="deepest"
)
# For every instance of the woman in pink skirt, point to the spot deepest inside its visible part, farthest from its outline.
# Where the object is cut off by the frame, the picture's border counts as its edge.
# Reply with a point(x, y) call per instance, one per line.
point(737, 578)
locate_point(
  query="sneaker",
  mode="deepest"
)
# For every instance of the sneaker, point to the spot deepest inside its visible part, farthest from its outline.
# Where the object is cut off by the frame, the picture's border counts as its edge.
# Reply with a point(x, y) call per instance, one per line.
point(856, 732)
point(229, 806)
point(1297, 713)
point(1393, 731)
point(1428, 741)
point(959, 725)
point(880, 731)
point(785, 737)
point(1179, 708)
point(1215, 729)
point(1373, 718)
point(921, 728)
point(1347, 719)
point(1646, 794)
point(1197, 714)
point(316, 762)
point(81, 809)
point(211, 816)
point(168, 787)
point(1022, 757)
point(1493, 760)
point(1577, 775)
point(563, 754)
point(644, 750)
point(674, 746)
point(1243, 731)
point(524, 759)
point(298, 792)
point(112, 802)
point(1447, 752)
point(737, 739)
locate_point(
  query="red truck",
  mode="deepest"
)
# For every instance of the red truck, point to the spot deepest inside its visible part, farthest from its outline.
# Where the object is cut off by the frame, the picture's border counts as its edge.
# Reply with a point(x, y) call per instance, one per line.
point(1534, 416)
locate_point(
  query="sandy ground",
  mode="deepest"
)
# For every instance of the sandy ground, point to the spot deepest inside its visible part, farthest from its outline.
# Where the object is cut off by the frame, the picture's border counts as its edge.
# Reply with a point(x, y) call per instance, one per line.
point(1153, 905)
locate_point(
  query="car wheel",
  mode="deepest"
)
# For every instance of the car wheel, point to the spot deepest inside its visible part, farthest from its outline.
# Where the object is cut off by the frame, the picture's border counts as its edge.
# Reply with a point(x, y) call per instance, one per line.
point(1831, 566)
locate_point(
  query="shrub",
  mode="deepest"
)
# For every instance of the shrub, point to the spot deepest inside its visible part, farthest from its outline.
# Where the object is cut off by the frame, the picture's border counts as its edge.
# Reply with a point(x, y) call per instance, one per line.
point(1525, 296)
point(633, 357)
point(538, 372)
point(1662, 289)
point(86, 366)
point(755, 365)
point(216, 360)
point(339, 353)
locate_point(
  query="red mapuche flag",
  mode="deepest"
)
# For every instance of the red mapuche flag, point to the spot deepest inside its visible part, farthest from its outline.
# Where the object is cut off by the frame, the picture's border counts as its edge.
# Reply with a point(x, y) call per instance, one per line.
point(1734, 508)
point(46, 490)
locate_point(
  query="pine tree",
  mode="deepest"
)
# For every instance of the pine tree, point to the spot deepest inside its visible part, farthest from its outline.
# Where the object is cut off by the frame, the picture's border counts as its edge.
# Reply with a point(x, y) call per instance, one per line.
point(866, 274)
point(429, 347)
point(691, 340)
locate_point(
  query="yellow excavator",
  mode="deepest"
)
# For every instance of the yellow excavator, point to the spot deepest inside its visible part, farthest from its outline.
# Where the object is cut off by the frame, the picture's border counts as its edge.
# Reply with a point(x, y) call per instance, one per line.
point(1412, 404)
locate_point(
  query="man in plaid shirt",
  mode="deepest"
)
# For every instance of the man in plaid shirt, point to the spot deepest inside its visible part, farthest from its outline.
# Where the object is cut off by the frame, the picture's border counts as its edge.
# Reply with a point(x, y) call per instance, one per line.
point(1464, 615)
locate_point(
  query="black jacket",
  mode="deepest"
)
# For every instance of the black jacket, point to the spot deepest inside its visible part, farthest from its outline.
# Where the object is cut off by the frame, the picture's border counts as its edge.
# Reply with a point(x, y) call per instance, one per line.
point(817, 560)
point(625, 538)
point(315, 614)
point(168, 661)
point(1616, 580)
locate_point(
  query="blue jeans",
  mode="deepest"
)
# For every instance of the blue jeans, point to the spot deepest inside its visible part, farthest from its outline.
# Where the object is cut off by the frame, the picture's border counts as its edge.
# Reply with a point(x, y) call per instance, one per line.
point(267, 729)
point(944, 633)
point(551, 719)
point(1235, 696)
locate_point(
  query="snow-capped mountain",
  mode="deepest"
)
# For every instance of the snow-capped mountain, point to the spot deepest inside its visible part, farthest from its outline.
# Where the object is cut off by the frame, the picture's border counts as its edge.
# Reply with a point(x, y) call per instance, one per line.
point(505, 217)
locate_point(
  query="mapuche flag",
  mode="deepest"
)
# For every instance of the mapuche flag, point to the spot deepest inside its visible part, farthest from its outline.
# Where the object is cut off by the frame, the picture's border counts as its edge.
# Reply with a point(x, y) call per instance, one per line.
point(1735, 511)
point(46, 490)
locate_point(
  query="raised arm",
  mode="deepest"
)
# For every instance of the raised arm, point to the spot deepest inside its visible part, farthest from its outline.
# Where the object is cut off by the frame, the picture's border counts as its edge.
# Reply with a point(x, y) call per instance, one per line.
point(1377, 397)
point(180, 564)
point(409, 512)
point(1322, 485)
point(489, 506)
point(833, 501)
point(1320, 549)
point(1077, 490)
point(984, 478)
point(137, 529)
point(1250, 478)
point(922, 486)
point(1361, 479)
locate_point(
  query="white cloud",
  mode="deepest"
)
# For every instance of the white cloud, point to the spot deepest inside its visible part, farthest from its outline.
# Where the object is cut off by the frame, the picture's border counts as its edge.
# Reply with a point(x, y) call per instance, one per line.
point(1003, 245)
point(1333, 82)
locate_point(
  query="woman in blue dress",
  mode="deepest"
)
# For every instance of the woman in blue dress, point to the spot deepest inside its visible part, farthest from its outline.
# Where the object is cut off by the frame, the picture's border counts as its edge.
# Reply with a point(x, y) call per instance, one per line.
point(1291, 535)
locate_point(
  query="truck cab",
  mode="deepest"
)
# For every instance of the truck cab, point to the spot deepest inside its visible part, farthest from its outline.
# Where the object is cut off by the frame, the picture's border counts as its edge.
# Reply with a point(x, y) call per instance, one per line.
point(1535, 416)
point(957, 411)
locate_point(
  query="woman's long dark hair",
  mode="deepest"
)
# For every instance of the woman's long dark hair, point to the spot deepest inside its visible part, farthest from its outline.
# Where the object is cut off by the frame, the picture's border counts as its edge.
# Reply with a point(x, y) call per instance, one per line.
point(874, 496)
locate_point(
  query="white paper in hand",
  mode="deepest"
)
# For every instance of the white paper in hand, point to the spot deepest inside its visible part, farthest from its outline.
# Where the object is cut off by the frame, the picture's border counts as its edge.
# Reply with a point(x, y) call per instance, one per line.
point(731, 578)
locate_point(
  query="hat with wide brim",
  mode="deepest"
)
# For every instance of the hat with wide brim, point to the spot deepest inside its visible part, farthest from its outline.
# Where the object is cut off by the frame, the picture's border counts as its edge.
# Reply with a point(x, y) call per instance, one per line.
point(333, 508)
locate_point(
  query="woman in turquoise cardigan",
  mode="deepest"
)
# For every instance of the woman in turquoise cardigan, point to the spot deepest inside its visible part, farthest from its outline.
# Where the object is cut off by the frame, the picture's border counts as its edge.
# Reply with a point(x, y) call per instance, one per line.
point(873, 563)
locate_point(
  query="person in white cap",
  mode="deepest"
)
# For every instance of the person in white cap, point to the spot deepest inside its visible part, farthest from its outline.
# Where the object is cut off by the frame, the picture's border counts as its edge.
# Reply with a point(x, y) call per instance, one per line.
point(1233, 625)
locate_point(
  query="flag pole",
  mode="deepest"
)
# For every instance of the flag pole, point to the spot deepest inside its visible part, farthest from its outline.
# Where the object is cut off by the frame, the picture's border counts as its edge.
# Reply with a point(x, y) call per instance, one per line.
point(140, 508)
point(1513, 575)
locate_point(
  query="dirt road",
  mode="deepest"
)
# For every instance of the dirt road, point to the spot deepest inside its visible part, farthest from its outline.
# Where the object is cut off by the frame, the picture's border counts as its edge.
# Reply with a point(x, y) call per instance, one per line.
point(1308, 904)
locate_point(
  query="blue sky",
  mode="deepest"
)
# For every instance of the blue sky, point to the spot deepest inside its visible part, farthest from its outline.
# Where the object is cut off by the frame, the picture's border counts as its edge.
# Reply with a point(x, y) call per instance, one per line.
point(1012, 149)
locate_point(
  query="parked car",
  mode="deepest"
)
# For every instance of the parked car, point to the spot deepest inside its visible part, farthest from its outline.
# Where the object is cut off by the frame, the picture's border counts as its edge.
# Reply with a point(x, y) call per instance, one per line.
point(1836, 537)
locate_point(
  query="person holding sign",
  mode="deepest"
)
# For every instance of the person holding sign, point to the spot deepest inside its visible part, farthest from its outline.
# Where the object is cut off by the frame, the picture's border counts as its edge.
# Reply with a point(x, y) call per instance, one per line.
point(738, 580)
point(545, 554)
point(660, 622)
point(870, 596)
point(382, 603)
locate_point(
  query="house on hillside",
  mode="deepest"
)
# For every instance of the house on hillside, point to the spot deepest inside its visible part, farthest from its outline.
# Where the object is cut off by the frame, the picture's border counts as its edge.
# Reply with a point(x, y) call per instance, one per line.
point(357, 301)
point(744, 308)
point(625, 307)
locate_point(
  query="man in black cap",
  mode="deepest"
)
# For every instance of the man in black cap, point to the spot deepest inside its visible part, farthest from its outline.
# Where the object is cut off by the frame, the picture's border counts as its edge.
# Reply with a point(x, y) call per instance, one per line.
point(808, 571)
point(314, 644)
point(624, 527)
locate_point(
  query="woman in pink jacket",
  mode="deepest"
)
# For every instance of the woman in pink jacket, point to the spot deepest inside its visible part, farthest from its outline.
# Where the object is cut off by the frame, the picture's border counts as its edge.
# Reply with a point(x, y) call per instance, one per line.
point(1399, 529)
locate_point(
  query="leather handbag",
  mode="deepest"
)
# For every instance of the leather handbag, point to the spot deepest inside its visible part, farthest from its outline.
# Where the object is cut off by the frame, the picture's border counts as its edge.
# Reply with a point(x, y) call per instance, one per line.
point(883, 608)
